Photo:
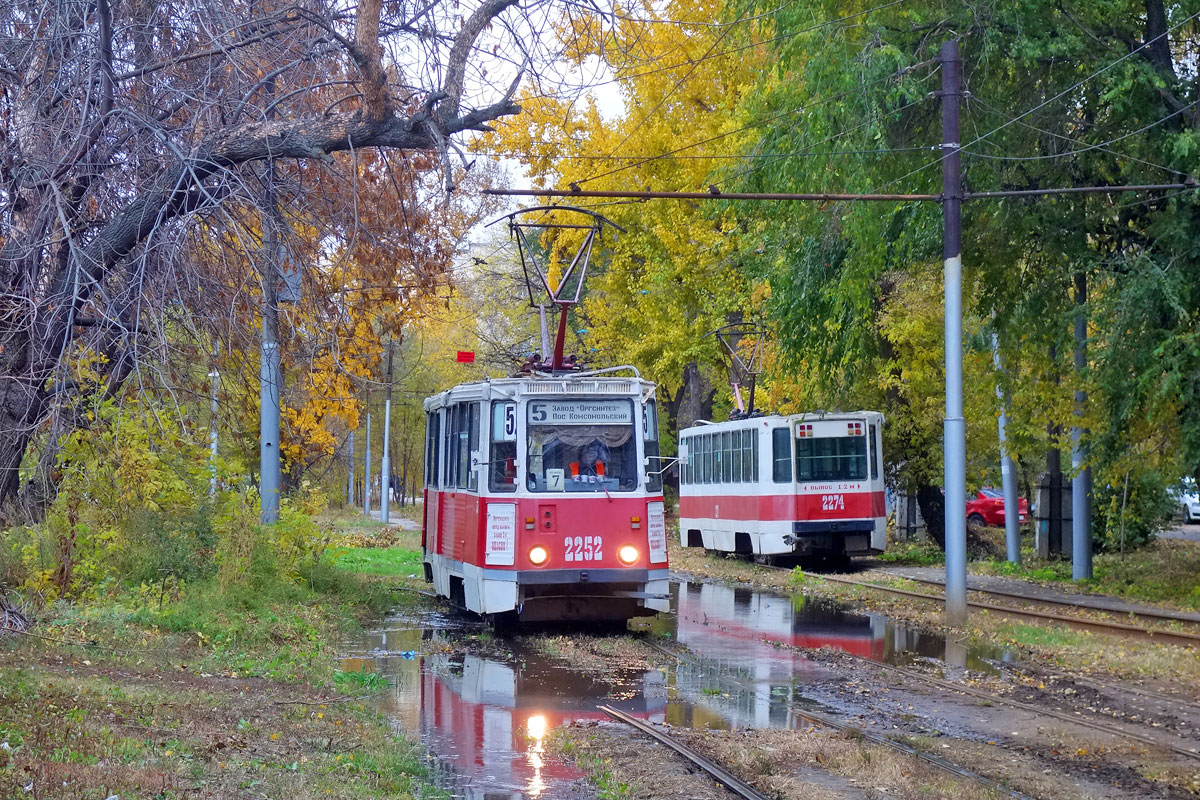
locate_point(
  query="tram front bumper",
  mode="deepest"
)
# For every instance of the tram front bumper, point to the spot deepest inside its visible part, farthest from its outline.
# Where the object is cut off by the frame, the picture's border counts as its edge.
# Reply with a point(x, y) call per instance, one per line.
point(831, 536)
point(529, 577)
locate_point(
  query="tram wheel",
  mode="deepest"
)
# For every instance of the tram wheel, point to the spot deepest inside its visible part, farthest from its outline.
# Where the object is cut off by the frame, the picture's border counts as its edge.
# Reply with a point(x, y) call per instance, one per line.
point(505, 622)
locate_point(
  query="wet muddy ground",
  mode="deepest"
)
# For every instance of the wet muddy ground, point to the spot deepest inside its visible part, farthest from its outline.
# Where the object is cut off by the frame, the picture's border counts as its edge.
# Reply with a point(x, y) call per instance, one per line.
point(729, 669)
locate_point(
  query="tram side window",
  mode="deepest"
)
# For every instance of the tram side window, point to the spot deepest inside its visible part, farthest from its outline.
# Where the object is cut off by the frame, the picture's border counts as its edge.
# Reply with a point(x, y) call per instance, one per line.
point(735, 456)
point(650, 447)
point(753, 456)
point(468, 438)
point(708, 457)
point(685, 467)
point(431, 449)
point(781, 452)
point(502, 456)
point(877, 449)
point(714, 457)
point(747, 456)
point(449, 448)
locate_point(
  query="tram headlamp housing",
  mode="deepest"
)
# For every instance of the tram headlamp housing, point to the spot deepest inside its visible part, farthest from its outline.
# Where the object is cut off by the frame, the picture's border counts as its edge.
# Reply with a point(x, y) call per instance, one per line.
point(538, 555)
point(628, 554)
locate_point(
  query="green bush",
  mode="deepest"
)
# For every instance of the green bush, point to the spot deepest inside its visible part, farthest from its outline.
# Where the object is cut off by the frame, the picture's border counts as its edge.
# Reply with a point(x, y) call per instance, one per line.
point(161, 544)
point(1144, 508)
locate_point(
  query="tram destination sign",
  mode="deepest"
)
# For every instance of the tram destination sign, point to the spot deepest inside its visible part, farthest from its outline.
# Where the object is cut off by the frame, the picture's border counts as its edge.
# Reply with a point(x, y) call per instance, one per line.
point(581, 412)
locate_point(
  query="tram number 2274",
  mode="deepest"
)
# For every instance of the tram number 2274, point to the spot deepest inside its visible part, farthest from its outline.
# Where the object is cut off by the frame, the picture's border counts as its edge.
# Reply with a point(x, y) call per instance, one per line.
point(582, 548)
point(833, 502)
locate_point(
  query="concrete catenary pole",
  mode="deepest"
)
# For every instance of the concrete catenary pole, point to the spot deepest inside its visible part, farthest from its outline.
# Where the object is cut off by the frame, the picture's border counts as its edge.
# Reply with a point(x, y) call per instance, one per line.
point(385, 463)
point(350, 470)
point(954, 441)
point(367, 467)
point(1008, 474)
point(1081, 483)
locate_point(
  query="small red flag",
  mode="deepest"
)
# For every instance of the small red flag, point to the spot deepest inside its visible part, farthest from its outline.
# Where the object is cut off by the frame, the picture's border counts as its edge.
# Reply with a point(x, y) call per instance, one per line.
point(466, 357)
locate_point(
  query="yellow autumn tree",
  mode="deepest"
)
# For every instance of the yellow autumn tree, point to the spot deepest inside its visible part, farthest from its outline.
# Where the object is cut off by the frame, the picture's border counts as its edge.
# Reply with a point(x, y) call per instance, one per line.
point(662, 287)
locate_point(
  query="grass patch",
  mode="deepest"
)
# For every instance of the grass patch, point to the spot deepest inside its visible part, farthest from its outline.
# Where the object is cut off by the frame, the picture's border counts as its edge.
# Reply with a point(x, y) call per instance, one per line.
point(202, 689)
point(1038, 635)
point(77, 730)
point(359, 681)
point(913, 553)
point(1167, 571)
point(387, 561)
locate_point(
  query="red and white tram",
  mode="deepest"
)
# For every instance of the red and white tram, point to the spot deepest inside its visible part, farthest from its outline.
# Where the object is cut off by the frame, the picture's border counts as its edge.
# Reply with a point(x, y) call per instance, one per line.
point(543, 497)
point(805, 484)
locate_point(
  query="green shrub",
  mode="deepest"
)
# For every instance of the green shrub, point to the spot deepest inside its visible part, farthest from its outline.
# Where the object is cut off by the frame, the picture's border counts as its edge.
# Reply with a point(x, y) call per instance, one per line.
point(161, 544)
point(1144, 508)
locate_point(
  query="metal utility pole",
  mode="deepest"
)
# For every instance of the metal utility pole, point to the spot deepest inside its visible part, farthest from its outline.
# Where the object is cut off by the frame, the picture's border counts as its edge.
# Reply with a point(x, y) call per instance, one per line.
point(954, 435)
point(385, 467)
point(350, 470)
point(1081, 482)
point(1008, 474)
point(212, 435)
point(271, 374)
point(367, 466)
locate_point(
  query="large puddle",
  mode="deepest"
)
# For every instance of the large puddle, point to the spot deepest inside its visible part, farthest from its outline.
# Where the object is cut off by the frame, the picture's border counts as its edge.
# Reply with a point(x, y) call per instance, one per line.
point(484, 705)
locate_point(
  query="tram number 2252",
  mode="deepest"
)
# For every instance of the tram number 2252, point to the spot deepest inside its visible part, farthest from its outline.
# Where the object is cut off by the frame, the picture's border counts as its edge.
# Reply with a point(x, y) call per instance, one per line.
point(833, 502)
point(582, 548)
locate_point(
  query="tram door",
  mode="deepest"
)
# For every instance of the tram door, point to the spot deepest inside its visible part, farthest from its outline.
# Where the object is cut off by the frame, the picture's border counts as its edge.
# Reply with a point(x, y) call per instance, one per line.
point(432, 509)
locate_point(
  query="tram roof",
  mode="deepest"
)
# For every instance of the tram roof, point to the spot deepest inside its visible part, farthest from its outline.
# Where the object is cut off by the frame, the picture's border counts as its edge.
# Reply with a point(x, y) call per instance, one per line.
point(770, 420)
point(607, 383)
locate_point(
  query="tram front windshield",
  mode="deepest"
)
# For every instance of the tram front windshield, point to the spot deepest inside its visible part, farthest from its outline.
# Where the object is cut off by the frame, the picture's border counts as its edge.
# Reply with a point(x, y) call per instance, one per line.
point(832, 458)
point(581, 446)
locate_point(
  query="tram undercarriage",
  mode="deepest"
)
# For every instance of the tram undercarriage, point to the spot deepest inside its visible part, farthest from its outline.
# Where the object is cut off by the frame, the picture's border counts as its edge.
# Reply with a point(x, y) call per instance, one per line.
point(596, 595)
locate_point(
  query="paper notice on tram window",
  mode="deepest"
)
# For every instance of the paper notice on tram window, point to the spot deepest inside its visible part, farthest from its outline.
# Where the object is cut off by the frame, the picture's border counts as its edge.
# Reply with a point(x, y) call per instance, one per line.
point(554, 480)
point(501, 533)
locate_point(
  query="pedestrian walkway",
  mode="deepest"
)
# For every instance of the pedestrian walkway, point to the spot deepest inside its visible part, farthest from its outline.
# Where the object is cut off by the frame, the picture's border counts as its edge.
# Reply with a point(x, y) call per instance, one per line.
point(1004, 583)
point(1188, 533)
point(397, 521)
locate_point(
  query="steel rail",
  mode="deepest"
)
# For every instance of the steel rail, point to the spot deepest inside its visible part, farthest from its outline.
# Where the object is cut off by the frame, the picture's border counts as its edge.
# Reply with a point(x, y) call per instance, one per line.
point(876, 738)
point(1175, 637)
point(1076, 719)
point(1162, 697)
point(719, 773)
point(1148, 613)
point(900, 747)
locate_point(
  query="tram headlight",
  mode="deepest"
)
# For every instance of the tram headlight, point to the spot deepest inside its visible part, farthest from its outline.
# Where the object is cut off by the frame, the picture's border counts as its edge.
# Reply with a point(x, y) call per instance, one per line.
point(538, 555)
point(628, 554)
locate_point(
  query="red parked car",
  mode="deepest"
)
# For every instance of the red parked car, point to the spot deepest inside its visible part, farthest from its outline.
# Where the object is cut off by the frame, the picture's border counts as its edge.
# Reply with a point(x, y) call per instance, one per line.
point(988, 509)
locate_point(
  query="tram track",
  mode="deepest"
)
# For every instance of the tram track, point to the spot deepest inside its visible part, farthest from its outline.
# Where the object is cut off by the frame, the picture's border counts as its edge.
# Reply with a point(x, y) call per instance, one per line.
point(1191, 752)
point(1139, 691)
point(721, 775)
point(1160, 635)
point(1145, 614)
point(1192, 639)
point(1076, 718)
point(876, 738)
